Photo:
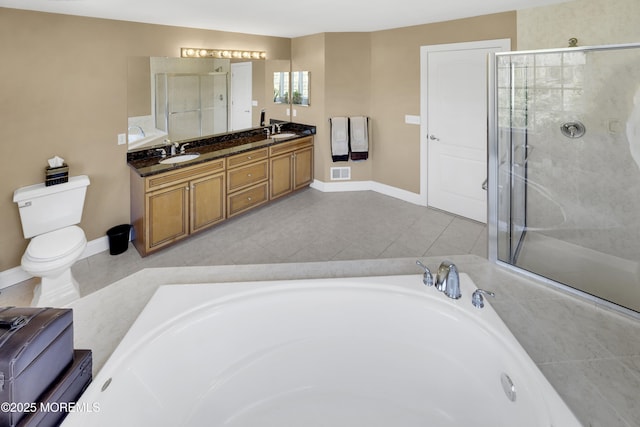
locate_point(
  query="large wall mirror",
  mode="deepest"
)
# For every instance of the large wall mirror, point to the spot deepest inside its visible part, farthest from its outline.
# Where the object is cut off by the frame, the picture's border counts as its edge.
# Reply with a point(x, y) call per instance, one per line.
point(183, 98)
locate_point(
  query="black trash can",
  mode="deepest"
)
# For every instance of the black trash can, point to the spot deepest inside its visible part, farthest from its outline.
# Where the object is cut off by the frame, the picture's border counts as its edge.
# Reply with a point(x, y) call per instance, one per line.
point(118, 238)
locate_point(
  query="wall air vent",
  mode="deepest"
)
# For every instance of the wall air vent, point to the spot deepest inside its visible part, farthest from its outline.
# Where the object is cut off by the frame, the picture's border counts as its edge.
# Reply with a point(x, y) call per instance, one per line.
point(340, 174)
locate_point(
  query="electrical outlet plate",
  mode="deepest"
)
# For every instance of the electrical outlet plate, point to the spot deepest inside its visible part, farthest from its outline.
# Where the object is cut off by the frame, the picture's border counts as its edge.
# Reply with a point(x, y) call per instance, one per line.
point(122, 138)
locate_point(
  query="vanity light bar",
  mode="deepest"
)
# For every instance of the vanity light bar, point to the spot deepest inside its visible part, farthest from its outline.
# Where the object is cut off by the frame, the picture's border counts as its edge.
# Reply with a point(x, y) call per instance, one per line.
point(189, 52)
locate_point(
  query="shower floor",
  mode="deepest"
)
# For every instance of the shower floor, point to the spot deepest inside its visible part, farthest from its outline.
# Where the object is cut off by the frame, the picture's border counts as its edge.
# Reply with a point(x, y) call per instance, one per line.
point(611, 278)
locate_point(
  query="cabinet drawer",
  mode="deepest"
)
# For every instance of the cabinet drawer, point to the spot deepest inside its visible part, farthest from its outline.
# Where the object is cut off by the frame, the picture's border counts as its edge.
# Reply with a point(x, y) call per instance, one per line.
point(247, 199)
point(167, 179)
point(249, 156)
point(246, 176)
point(285, 147)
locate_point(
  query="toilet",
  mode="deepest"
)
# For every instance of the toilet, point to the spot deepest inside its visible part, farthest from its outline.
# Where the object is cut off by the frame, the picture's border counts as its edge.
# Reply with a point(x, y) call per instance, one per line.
point(49, 215)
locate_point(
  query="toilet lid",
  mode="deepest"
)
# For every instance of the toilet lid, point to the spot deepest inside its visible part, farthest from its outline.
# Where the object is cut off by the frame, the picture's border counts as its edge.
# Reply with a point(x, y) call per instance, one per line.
point(56, 244)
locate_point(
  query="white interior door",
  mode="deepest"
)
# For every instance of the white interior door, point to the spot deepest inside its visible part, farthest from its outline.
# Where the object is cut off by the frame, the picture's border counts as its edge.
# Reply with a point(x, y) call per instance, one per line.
point(454, 125)
point(241, 89)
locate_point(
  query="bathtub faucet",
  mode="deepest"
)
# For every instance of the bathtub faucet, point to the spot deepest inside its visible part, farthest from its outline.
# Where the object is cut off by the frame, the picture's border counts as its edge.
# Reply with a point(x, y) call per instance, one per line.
point(448, 280)
point(427, 277)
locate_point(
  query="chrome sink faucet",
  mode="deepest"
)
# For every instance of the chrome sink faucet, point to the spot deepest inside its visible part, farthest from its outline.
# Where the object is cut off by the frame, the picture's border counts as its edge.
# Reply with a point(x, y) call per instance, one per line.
point(448, 280)
point(174, 147)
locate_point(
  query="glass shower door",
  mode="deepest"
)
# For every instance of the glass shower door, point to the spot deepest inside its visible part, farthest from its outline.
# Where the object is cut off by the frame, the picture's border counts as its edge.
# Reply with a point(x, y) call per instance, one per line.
point(566, 147)
point(513, 150)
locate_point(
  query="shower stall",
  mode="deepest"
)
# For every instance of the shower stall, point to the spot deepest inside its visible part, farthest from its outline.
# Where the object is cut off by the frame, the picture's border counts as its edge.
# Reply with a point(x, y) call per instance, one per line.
point(190, 105)
point(564, 169)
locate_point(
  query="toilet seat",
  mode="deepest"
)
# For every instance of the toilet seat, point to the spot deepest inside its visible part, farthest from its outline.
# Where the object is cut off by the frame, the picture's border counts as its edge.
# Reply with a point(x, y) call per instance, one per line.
point(56, 244)
point(51, 254)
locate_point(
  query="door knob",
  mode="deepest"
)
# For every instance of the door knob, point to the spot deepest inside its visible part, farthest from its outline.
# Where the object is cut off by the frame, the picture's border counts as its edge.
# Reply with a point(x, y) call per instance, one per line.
point(433, 138)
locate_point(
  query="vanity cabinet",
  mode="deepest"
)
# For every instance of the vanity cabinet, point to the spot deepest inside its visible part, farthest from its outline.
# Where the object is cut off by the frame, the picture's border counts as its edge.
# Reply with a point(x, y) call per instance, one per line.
point(291, 166)
point(168, 207)
point(247, 181)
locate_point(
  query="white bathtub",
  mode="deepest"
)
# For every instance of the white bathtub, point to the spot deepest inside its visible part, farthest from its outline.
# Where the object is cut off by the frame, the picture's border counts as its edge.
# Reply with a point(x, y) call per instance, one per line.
point(377, 351)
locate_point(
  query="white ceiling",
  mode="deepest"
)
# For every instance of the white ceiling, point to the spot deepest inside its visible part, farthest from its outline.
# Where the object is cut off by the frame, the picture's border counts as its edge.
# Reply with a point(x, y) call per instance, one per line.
point(283, 18)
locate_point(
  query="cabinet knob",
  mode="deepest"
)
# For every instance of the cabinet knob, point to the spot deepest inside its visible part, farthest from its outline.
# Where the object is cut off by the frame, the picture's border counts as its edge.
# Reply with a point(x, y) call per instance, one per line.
point(249, 175)
point(249, 157)
point(249, 198)
point(186, 188)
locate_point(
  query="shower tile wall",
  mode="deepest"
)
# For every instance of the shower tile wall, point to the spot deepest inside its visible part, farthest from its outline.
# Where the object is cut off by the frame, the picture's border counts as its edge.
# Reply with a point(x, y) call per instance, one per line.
point(584, 190)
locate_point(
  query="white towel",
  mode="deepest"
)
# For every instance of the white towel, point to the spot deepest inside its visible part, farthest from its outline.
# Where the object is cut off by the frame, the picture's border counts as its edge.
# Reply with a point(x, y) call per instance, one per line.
point(359, 138)
point(339, 138)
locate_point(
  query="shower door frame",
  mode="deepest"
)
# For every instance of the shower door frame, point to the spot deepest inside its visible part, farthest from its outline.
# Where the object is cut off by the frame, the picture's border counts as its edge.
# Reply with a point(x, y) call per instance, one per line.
point(493, 163)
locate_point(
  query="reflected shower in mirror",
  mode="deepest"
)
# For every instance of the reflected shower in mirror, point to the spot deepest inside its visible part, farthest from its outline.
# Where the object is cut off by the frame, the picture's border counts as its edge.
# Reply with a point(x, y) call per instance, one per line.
point(178, 99)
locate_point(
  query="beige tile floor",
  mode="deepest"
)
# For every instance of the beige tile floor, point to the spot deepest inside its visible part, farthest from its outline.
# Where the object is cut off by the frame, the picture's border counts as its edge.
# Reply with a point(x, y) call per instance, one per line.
point(307, 226)
point(589, 354)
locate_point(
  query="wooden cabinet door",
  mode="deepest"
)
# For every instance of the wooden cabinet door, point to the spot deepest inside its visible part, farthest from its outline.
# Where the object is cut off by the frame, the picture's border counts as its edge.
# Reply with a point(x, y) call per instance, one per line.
point(167, 215)
point(303, 167)
point(280, 176)
point(207, 201)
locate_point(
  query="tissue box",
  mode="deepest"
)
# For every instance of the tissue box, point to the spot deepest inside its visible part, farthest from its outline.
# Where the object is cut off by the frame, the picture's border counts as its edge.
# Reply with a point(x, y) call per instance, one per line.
point(56, 175)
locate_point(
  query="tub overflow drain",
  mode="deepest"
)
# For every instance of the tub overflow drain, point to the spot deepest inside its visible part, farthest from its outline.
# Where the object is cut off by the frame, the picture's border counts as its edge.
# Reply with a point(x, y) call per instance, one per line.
point(508, 387)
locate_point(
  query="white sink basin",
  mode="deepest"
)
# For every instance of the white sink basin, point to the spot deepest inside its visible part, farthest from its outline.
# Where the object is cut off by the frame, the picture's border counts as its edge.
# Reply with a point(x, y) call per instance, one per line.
point(283, 135)
point(179, 159)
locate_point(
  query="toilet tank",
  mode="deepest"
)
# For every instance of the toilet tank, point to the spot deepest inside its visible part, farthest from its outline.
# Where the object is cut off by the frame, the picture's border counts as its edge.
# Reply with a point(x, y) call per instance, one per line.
point(43, 209)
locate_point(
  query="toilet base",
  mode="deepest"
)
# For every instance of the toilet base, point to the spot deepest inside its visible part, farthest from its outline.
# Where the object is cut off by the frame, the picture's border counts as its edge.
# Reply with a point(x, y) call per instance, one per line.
point(56, 291)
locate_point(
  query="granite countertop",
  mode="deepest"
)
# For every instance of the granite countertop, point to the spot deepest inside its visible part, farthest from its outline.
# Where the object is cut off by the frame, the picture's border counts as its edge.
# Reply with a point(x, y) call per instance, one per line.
point(146, 164)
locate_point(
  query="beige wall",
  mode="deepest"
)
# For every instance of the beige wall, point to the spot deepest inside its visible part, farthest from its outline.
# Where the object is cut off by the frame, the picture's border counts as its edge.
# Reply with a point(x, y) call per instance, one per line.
point(340, 69)
point(396, 88)
point(307, 54)
point(592, 22)
point(138, 86)
point(64, 92)
point(378, 74)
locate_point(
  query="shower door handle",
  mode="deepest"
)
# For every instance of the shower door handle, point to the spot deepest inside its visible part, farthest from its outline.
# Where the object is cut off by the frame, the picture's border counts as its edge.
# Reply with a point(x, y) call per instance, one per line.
point(485, 184)
point(433, 138)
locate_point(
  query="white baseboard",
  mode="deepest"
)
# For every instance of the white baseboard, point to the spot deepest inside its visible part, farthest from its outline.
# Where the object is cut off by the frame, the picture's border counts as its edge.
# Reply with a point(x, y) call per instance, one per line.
point(398, 193)
point(12, 276)
point(17, 274)
point(95, 246)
